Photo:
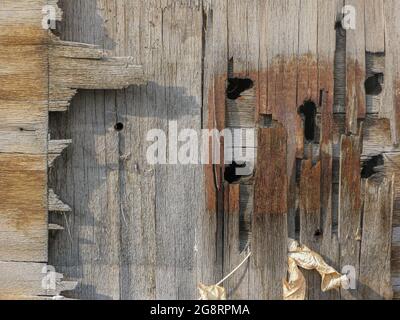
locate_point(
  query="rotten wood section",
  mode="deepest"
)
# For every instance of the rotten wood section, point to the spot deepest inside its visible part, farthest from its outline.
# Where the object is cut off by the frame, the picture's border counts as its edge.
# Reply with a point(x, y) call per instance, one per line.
point(38, 74)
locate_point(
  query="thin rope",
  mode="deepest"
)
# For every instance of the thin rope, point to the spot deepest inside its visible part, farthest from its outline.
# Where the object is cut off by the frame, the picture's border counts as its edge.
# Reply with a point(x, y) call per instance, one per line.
point(234, 270)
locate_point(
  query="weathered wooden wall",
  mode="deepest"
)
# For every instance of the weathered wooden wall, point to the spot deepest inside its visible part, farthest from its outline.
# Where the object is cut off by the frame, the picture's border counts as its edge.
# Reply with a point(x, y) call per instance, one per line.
point(138, 231)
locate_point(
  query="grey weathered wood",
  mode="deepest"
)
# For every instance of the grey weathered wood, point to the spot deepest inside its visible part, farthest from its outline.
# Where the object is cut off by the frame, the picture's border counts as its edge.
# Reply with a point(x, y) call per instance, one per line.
point(375, 272)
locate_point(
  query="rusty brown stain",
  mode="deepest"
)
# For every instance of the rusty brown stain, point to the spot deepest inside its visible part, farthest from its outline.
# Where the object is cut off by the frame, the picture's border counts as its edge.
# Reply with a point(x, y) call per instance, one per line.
point(350, 173)
point(270, 189)
point(310, 196)
point(355, 94)
point(231, 199)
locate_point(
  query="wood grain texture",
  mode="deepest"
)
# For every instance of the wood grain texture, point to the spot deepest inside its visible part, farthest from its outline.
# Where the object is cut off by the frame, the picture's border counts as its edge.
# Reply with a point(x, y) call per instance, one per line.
point(375, 270)
point(350, 203)
point(269, 229)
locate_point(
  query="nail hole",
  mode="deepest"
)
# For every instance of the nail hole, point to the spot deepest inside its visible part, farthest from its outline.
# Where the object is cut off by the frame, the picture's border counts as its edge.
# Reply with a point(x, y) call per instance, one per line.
point(318, 233)
point(308, 111)
point(373, 85)
point(119, 126)
point(236, 86)
point(368, 167)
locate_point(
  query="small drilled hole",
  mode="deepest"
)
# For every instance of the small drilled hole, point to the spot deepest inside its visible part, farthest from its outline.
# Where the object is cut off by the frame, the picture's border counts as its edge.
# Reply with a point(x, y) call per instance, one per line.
point(119, 126)
point(373, 85)
point(236, 86)
point(318, 233)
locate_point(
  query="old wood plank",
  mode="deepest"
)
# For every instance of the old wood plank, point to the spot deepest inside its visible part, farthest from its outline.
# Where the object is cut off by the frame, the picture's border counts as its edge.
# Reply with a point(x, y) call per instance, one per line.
point(391, 100)
point(328, 13)
point(355, 68)
point(375, 272)
point(210, 234)
point(350, 206)
point(269, 229)
point(310, 218)
point(237, 285)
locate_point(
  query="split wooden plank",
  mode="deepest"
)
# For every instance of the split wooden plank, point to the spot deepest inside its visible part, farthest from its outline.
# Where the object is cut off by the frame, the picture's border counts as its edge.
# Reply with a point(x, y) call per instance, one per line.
point(269, 229)
point(375, 271)
point(55, 204)
point(55, 148)
point(391, 100)
point(81, 66)
point(355, 66)
point(350, 204)
point(310, 218)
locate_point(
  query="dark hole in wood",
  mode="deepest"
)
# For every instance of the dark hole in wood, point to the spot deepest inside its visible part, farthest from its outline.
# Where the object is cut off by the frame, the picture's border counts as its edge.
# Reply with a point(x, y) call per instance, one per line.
point(368, 168)
point(318, 233)
point(119, 126)
point(230, 172)
point(236, 86)
point(373, 85)
point(308, 111)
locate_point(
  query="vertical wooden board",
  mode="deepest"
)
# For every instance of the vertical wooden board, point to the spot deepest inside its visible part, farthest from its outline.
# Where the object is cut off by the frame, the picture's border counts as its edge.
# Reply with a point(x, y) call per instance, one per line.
point(310, 219)
point(269, 229)
point(355, 67)
point(210, 224)
point(182, 58)
point(375, 271)
point(350, 207)
point(23, 208)
point(243, 50)
point(391, 100)
point(139, 113)
point(237, 285)
point(328, 12)
point(283, 45)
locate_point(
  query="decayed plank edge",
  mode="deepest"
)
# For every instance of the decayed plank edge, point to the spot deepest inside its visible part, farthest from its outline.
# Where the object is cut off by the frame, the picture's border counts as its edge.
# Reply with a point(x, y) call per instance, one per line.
point(55, 148)
point(55, 204)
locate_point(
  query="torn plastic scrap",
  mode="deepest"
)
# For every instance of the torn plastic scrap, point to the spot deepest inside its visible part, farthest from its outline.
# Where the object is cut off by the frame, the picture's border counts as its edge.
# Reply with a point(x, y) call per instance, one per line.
point(307, 259)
